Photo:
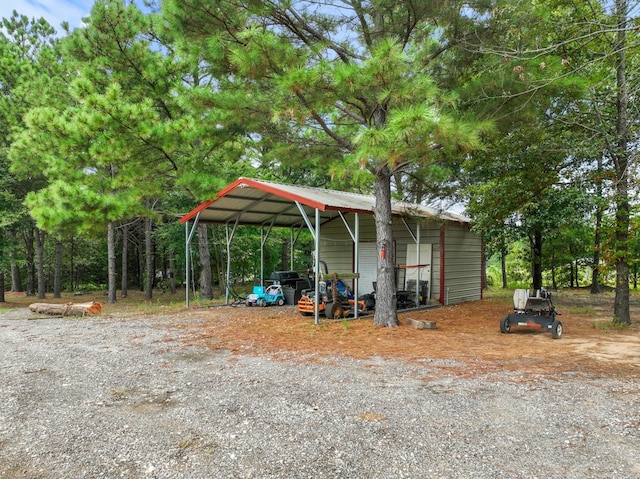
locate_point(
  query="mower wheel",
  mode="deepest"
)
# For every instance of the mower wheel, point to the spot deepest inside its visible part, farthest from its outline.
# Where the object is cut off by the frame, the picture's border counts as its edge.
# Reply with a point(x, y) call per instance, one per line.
point(280, 302)
point(556, 329)
point(248, 303)
point(334, 310)
point(262, 302)
point(505, 325)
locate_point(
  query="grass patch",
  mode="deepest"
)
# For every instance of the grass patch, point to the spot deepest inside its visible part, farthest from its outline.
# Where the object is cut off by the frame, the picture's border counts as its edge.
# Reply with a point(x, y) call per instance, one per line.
point(610, 325)
point(498, 293)
point(580, 310)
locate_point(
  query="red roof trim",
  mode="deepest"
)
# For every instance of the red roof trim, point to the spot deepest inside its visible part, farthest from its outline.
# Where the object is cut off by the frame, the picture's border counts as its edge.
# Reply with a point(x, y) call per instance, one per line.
point(195, 211)
point(259, 186)
point(276, 191)
point(230, 187)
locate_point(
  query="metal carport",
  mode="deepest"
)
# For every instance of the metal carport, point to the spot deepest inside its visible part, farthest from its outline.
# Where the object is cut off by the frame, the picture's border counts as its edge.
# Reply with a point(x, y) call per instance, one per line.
point(268, 204)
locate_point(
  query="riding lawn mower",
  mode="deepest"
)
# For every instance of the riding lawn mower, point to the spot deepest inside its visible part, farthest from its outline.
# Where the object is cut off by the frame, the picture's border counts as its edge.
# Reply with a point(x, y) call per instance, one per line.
point(335, 298)
point(533, 312)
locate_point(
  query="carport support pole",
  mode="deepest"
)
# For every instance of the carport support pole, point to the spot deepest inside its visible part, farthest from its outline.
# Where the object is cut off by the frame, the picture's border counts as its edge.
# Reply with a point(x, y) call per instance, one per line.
point(316, 312)
point(355, 237)
point(230, 236)
point(228, 272)
point(315, 232)
point(291, 239)
point(356, 265)
point(418, 269)
point(188, 238)
point(262, 240)
point(187, 265)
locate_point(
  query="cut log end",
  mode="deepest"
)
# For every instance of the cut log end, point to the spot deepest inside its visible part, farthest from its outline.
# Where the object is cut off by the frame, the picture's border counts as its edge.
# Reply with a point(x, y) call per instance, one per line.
point(68, 309)
point(420, 324)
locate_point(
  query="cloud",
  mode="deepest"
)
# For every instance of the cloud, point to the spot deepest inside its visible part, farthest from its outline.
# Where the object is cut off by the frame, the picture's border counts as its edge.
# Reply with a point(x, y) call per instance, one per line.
point(53, 11)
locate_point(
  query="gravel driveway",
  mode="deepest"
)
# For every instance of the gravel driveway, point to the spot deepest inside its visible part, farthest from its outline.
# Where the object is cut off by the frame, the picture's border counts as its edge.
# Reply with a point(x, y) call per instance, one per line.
point(128, 398)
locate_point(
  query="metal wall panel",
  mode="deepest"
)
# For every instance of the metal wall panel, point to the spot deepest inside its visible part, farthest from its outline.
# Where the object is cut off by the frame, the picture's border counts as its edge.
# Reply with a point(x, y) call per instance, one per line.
point(463, 254)
point(463, 264)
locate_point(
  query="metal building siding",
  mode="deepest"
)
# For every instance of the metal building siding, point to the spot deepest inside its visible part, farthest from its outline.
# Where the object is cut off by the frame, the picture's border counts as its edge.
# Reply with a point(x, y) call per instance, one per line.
point(429, 234)
point(463, 264)
point(463, 254)
point(435, 270)
point(336, 246)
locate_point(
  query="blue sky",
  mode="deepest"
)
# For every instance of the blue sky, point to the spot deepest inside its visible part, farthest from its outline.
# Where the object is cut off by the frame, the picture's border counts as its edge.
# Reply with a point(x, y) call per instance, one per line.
point(54, 11)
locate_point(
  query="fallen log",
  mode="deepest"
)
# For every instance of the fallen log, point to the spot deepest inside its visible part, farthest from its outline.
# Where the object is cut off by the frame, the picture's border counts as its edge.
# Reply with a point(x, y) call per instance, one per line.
point(420, 324)
point(68, 309)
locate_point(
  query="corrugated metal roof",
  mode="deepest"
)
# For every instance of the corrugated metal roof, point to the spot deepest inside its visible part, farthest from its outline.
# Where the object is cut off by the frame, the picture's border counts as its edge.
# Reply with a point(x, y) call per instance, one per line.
point(260, 202)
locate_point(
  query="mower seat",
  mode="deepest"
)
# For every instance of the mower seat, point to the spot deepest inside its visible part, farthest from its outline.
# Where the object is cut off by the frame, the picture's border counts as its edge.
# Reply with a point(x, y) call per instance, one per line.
point(520, 298)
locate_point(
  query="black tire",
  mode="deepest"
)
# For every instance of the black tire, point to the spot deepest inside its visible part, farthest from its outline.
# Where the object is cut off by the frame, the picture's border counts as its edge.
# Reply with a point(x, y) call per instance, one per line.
point(248, 303)
point(328, 310)
point(280, 302)
point(505, 325)
point(556, 329)
point(262, 303)
point(334, 310)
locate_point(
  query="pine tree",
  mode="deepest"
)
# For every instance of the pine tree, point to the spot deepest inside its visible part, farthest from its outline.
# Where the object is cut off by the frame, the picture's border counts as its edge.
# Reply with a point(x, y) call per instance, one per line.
point(343, 87)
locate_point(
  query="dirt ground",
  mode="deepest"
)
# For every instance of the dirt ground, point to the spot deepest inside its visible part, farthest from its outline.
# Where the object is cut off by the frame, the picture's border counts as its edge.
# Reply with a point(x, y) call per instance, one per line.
point(466, 342)
point(467, 335)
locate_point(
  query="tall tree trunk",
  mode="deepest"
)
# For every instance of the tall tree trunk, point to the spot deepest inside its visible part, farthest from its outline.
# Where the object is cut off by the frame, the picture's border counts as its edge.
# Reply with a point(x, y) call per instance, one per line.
point(72, 262)
point(597, 238)
point(553, 271)
point(141, 257)
point(284, 255)
point(150, 259)
point(57, 273)
point(485, 282)
point(503, 267)
point(40, 236)
point(125, 261)
point(111, 262)
point(171, 273)
point(206, 286)
point(218, 259)
point(571, 274)
point(621, 313)
point(30, 250)
point(2, 299)
point(595, 268)
point(536, 260)
point(16, 277)
point(386, 300)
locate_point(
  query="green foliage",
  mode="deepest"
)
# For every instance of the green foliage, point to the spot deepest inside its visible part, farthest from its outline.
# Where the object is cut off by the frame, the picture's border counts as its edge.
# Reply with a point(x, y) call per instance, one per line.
point(350, 100)
point(494, 272)
point(145, 114)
